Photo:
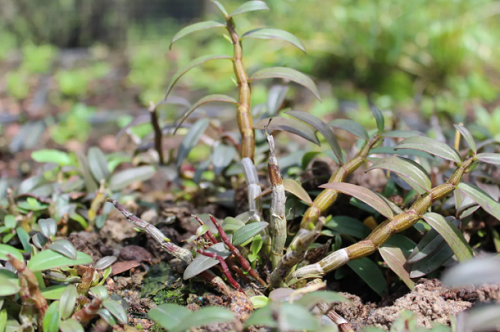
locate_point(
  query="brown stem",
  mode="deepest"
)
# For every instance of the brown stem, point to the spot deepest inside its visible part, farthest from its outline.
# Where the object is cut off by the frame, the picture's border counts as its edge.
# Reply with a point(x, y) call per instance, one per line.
point(225, 269)
point(244, 117)
point(209, 236)
point(88, 312)
point(157, 130)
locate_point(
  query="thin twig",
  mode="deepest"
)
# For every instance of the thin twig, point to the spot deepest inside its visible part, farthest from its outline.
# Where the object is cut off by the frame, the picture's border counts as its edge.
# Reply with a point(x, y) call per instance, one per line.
point(157, 130)
point(209, 236)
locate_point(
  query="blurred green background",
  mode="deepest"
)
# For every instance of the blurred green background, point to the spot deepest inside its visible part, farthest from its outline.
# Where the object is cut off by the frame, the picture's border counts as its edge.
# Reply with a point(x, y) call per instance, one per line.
point(76, 58)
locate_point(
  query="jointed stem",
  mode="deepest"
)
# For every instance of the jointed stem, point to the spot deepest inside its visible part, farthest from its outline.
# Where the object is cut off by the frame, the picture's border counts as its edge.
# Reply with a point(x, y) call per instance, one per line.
point(225, 269)
point(386, 229)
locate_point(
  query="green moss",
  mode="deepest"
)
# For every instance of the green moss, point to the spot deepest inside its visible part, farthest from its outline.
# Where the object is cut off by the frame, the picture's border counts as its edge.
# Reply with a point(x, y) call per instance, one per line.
point(176, 295)
point(156, 328)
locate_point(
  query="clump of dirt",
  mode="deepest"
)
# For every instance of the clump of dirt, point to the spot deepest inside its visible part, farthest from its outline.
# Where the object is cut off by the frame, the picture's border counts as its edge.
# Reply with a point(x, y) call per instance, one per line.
point(429, 300)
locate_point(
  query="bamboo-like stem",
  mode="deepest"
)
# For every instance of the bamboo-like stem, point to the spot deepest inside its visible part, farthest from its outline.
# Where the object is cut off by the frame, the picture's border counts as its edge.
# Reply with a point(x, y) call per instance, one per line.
point(386, 229)
point(278, 198)
point(30, 291)
point(296, 255)
point(158, 133)
point(243, 262)
point(244, 117)
point(225, 268)
point(176, 251)
point(88, 312)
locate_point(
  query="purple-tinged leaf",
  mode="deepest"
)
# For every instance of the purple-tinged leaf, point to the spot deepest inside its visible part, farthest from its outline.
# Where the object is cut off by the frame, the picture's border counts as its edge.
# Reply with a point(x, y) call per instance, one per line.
point(481, 198)
point(296, 189)
point(191, 65)
point(194, 28)
point(350, 126)
point(249, 6)
point(202, 263)
point(431, 262)
point(431, 146)
point(396, 260)
point(203, 101)
point(468, 137)
point(363, 194)
point(267, 33)
point(490, 158)
point(291, 125)
point(287, 74)
point(323, 128)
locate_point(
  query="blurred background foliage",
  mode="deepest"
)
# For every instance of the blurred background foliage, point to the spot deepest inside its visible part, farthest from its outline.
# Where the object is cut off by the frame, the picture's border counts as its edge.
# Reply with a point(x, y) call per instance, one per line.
point(422, 56)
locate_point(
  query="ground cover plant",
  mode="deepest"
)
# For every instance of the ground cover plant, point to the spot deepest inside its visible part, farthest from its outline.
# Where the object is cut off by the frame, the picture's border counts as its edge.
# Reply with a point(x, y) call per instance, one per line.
point(201, 225)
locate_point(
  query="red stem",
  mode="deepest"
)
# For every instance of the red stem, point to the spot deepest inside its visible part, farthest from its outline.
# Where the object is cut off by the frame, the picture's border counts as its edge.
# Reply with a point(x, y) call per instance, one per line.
point(211, 237)
point(225, 269)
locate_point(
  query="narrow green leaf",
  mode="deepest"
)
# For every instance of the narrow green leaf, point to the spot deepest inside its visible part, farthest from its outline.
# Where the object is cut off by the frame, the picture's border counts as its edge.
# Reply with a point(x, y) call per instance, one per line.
point(248, 231)
point(396, 260)
point(169, 315)
point(451, 235)
point(53, 292)
point(126, 177)
point(431, 262)
point(24, 238)
point(98, 164)
point(204, 316)
point(203, 101)
point(287, 74)
point(51, 156)
point(221, 8)
point(379, 118)
point(6, 249)
point(411, 172)
point(49, 259)
point(295, 187)
point(231, 225)
point(90, 183)
point(222, 157)
point(52, 318)
point(363, 194)
point(64, 247)
point(351, 126)
point(402, 242)
point(116, 310)
point(426, 246)
point(431, 146)
point(367, 270)
point(107, 316)
point(68, 301)
point(348, 226)
point(70, 325)
point(202, 263)
point(266, 33)
point(481, 198)
point(468, 137)
point(249, 7)
point(309, 300)
point(191, 138)
point(3, 319)
point(323, 128)
point(194, 28)
point(290, 125)
point(194, 63)
point(490, 158)
point(392, 150)
point(402, 133)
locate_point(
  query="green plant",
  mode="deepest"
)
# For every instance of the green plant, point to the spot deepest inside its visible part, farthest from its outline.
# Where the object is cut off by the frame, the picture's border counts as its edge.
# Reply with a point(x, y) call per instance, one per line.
point(73, 125)
point(18, 84)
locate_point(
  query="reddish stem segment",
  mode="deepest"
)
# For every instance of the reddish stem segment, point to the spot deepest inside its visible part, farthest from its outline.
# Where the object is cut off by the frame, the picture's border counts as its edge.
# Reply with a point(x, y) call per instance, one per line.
point(244, 263)
point(208, 235)
point(88, 312)
point(225, 269)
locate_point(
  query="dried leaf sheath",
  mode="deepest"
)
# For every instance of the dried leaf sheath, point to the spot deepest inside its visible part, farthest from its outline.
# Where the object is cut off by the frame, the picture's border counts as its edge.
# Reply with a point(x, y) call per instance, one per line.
point(386, 229)
point(278, 199)
point(244, 117)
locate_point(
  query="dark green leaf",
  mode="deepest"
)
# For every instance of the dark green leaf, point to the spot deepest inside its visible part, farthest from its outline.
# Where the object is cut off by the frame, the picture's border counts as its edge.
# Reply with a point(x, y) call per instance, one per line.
point(107, 316)
point(191, 138)
point(169, 315)
point(70, 325)
point(275, 97)
point(451, 235)
point(481, 198)
point(49, 259)
point(105, 262)
point(48, 227)
point(396, 260)
point(39, 240)
point(348, 226)
point(90, 183)
point(291, 125)
point(367, 270)
point(287, 74)
point(98, 164)
point(295, 187)
point(204, 316)
point(490, 158)
point(64, 247)
point(196, 27)
point(431, 146)
point(202, 263)
point(126, 177)
point(249, 7)
point(194, 63)
point(266, 33)
point(203, 101)
point(24, 238)
point(431, 262)
point(222, 157)
point(350, 126)
point(116, 310)
point(309, 300)
point(468, 137)
point(248, 231)
point(6, 249)
point(427, 245)
point(52, 318)
point(323, 129)
point(68, 301)
point(51, 156)
point(402, 133)
point(379, 118)
point(408, 170)
point(402, 242)
point(221, 8)
point(363, 194)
